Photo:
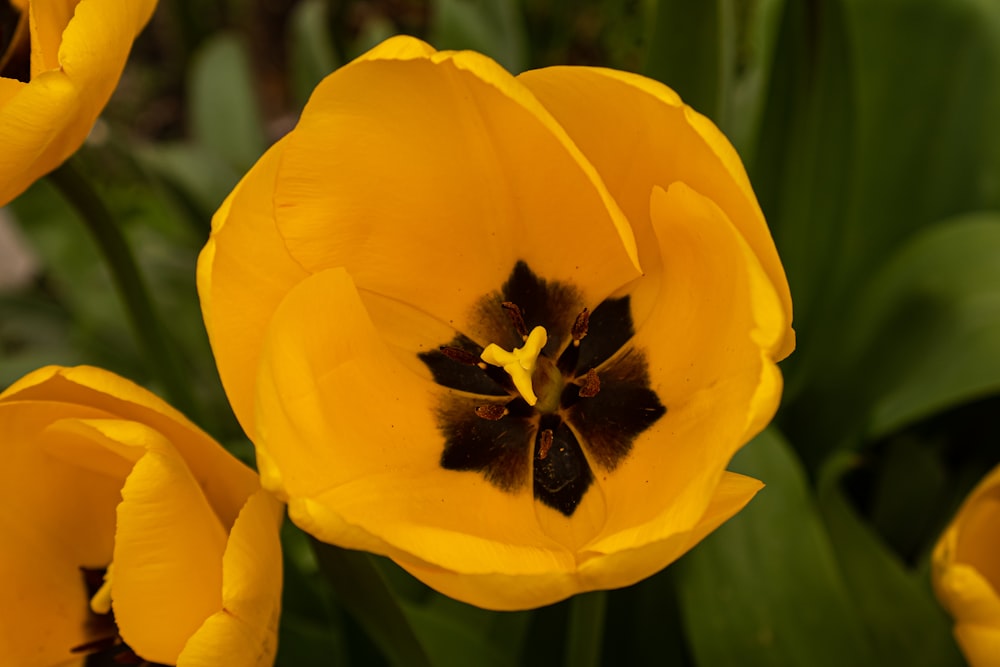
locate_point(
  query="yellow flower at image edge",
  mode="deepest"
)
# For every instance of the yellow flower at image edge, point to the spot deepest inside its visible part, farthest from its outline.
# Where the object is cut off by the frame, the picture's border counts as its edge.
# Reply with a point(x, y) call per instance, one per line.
point(128, 529)
point(966, 573)
point(505, 331)
point(57, 71)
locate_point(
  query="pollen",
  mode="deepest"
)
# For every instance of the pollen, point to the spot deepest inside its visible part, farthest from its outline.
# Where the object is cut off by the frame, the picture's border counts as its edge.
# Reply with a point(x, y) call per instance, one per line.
point(519, 363)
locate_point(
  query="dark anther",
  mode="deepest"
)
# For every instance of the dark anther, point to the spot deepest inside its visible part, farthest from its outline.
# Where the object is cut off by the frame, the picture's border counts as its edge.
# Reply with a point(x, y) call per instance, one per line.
point(580, 326)
point(516, 318)
point(491, 411)
point(97, 645)
point(545, 443)
point(462, 356)
point(591, 384)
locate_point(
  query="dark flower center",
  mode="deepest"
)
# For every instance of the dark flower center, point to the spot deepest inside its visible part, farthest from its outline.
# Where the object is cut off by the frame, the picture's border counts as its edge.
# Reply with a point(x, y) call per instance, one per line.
point(15, 52)
point(108, 649)
point(591, 383)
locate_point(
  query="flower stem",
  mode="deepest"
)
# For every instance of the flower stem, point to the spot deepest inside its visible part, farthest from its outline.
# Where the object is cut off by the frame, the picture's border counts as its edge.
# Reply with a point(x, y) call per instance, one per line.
point(362, 589)
point(585, 630)
point(159, 355)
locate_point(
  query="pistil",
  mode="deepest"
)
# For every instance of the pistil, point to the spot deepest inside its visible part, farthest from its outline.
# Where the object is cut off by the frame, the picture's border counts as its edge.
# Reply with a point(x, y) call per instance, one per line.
point(520, 362)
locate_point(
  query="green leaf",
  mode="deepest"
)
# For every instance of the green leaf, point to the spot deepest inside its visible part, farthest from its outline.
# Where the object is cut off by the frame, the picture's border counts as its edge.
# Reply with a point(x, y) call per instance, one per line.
point(310, 45)
point(362, 589)
point(896, 606)
point(926, 335)
point(691, 51)
point(493, 27)
point(765, 588)
point(223, 109)
point(585, 633)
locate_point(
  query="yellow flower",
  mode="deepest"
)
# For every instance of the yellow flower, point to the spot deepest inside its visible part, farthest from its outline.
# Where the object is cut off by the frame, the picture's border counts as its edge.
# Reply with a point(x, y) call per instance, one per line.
point(428, 311)
point(966, 573)
point(113, 502)
point(59, 70)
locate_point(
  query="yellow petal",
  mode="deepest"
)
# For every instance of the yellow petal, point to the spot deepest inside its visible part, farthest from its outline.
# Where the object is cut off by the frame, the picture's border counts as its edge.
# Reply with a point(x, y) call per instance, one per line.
point(168, 548)
point(64, 519)
point(76, 64)
point(243, 274)
point(231, 481)
point(508, 591)
point(245, 631)
point(428, 177)
point(638, 134)
point(710, 343)
point(31, 124)
point(348, 434)
point(980, 644)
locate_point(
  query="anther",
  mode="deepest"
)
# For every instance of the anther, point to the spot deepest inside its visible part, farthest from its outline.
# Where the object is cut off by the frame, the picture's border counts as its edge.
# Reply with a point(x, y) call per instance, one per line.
point(591, 384)
point(491, 411)
point(462, 356)
point(516, 318)
point(544, 443)
point(580, 326)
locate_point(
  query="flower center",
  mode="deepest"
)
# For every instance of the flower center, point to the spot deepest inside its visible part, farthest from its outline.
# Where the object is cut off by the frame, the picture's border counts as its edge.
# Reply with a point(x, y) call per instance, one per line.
point(571, 394)
point(15, 53)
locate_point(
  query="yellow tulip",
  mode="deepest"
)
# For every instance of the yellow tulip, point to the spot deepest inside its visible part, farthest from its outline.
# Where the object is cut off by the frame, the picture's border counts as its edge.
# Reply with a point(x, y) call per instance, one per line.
point(966, 573)
point(58, 72)
point(127, 528)
point(505, 331)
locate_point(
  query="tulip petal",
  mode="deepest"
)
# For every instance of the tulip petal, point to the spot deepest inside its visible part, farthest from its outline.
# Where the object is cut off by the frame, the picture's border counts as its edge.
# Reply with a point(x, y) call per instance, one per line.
point(245, 631)
point(507, 592)
point(709, 343)
point(638, 134)
point(65, 520)
point(168, 546)
point(231, 481)
point(334, 400)
point(76, 63)
point(473, 175)
point(980, 644)
point(244, 272)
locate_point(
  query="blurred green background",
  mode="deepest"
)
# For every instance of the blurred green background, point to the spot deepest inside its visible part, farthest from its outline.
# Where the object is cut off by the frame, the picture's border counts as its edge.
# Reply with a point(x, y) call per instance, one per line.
point(871, 133)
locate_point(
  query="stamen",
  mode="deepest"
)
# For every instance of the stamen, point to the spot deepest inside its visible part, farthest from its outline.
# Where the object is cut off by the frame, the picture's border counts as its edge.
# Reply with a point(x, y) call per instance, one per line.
point(591, 384)
point(461, 356)
point(520, 363)
point(544, 443)
point(516, 318)
point(100, 603)
point(492, 411)
point(580, 326)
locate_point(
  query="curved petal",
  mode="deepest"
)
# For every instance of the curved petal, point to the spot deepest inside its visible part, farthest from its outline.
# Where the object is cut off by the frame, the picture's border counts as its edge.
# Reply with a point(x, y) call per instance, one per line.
point(168, 547)
point(472, 176)
point(980, 644)
point(231, 482)
point(348, 434)
point(64, 519)
point(709, 343)
point(638, 134)
point(245, 631)
point(243, 274)
point(30, 124)
point(507, 591)
point(76, 64)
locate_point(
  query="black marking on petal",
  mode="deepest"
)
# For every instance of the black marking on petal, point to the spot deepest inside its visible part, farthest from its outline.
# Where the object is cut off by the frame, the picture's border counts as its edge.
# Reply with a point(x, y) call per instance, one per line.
point(498, 449)
point(608, 329)
point(546, 303)
point(492, 381)
point(610, 421)
point(563, 475)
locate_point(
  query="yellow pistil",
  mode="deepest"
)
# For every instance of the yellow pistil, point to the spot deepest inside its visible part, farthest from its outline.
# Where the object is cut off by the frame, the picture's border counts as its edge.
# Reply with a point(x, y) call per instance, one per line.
point(101, 602)
point(519, 364)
